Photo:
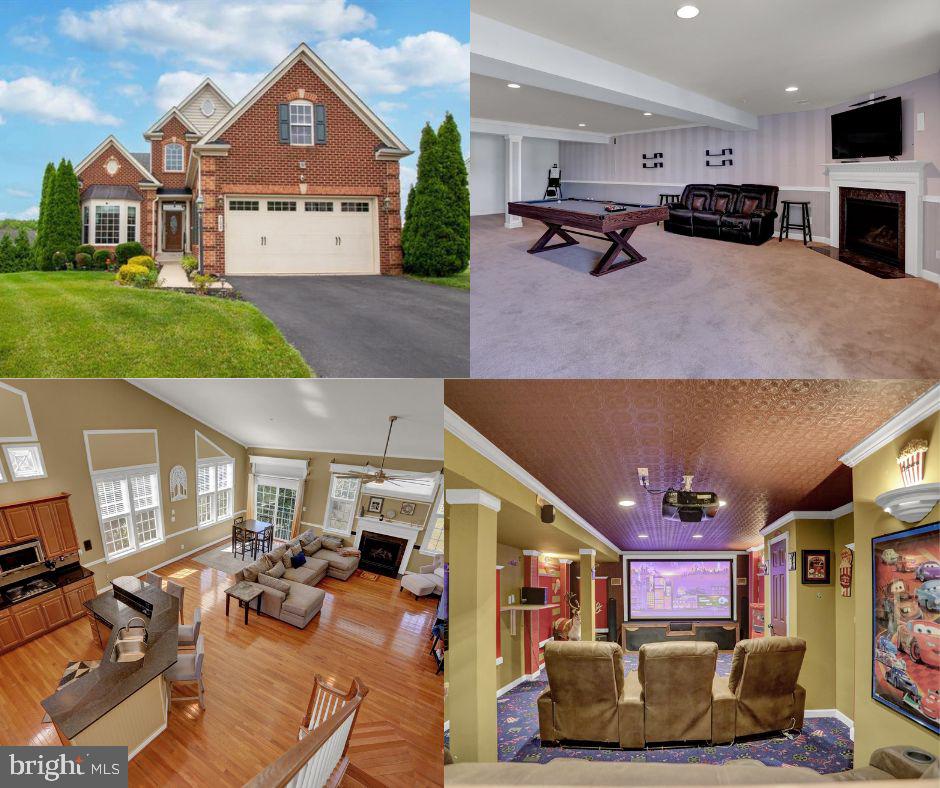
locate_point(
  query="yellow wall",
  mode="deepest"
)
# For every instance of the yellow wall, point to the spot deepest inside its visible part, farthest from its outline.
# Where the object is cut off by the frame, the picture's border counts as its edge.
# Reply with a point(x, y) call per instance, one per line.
point(63, 409)
point(875, 724)
point(317, 488)
point(843, 533)
point(510, 581)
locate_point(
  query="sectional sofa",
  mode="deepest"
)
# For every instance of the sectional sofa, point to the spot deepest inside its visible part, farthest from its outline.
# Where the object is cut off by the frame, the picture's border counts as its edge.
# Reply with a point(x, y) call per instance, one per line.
point(288, 582)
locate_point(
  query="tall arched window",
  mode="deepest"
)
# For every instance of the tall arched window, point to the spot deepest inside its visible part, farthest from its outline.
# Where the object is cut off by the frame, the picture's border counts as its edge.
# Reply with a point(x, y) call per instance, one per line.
point(173, 157)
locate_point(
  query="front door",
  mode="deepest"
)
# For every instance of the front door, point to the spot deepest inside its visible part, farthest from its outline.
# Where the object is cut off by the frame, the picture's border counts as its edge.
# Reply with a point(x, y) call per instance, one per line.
point(173, 230)
point(778, 587)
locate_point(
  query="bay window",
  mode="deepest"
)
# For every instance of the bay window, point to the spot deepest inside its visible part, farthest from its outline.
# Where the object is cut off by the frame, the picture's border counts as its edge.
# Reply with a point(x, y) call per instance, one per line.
point(108, 225)
point(131, 222)
point(110, 222)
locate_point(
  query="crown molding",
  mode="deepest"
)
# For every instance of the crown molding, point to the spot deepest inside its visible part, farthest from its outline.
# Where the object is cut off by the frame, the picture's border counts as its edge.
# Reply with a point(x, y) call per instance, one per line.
point(459, 428)
point(790, 517)
point(925, 405)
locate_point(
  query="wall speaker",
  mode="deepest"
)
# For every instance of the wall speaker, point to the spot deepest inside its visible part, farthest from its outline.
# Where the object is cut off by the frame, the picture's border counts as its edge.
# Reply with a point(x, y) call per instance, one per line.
point(548, 513)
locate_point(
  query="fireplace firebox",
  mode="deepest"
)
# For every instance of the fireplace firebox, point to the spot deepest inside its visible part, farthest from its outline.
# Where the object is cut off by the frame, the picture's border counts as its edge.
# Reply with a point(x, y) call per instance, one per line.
point(871, 224)
point(381, 554)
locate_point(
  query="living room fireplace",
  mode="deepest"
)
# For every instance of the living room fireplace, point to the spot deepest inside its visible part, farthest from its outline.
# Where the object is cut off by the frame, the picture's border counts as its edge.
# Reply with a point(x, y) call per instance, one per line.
point(872, 224)
point(381, 553)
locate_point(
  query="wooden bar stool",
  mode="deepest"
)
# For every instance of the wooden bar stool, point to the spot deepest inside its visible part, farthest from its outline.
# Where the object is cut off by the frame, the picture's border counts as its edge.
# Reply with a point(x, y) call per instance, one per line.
point(804, 226)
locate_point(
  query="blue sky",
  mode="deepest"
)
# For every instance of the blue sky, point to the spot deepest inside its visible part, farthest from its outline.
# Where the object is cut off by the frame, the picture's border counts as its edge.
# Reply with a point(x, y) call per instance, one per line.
point(73, 72)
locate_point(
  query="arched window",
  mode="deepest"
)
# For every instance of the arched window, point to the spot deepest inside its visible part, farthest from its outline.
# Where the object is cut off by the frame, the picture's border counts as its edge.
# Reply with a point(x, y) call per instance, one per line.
point(173, 157)
point(301, 123)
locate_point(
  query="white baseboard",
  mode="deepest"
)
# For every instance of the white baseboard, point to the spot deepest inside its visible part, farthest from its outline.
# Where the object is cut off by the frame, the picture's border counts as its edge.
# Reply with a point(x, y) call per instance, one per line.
point(843, 718)
point(520, 680)
point(226, 538)
point(146, 741)
point(930, 276)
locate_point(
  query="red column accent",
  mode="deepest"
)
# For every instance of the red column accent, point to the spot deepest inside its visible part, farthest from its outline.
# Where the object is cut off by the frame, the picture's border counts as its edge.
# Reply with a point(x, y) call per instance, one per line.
point(530, 629)
point(565, 576)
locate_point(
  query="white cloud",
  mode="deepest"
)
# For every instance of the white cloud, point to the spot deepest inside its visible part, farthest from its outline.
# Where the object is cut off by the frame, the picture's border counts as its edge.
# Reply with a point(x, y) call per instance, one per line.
point(389, 106)
point(30, 213)
point(430, 59)
point(35, 42)
point(50, 103)
point(174, 86)
point(133, 93)
point(14, 192)
point(2, 121)
point(214, 34)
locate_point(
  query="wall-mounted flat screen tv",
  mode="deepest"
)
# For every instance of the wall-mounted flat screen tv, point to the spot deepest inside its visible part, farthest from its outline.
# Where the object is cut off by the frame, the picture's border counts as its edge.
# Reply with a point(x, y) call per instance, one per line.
point(872, 130)
point(662, 589)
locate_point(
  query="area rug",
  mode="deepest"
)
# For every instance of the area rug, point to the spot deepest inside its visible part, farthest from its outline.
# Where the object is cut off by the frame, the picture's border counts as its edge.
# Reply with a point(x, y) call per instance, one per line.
point(367, 575)
point(224, 560)
point(823, 745)
point(73, 671)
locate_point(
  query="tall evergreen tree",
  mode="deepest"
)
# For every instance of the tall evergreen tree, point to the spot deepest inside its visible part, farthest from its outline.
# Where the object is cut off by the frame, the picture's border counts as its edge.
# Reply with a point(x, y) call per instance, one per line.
point(410, 203)
point(40, 245)
point(22, 252)
point(425, 165)
point(453, 172)
point(6, 254)
point(64, 230)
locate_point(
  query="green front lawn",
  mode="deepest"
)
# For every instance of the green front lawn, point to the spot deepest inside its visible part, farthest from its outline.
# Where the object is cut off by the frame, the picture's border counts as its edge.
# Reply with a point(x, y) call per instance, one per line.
point(80, 324)
point(461, 281)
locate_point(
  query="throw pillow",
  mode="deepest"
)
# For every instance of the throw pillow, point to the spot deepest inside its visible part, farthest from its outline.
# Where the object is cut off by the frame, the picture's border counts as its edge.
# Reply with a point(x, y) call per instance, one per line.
point(331, 542)
point(276, 571)
point(312, 547)
point(264, 563)
point(272, 582)
point(307, 536)
point(698, 203)
point(277, 553)
point(298, 560)
point(250, 572)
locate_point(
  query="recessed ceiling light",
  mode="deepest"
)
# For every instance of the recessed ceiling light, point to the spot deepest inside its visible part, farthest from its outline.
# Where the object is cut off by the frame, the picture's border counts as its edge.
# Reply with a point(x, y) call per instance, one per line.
point(687, 12)
point(696, 536)
point(582, 125)
point(792, 89)
point(648, 114)
point(644, 536)
point(627, 502)
point(722, 503)
point(512, 85)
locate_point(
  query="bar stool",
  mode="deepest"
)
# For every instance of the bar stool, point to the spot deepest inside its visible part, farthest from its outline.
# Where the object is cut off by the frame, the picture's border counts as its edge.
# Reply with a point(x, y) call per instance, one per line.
point(804, 226)
point(665, 199)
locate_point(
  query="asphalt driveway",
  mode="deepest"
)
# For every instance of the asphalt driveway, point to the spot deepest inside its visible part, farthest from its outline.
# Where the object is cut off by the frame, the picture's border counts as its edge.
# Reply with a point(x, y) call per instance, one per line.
point(368, 326)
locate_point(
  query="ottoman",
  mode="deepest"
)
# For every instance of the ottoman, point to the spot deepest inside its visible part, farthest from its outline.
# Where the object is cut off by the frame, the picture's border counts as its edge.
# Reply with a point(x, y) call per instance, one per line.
point(419, 585)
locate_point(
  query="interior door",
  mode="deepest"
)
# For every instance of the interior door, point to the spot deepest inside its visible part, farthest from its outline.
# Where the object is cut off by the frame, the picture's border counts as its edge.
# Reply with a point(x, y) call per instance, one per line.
point(276, 503)
point(778, 587)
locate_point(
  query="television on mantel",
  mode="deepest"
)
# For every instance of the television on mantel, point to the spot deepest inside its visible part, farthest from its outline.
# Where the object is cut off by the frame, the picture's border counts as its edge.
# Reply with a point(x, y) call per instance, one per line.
point(872, 130)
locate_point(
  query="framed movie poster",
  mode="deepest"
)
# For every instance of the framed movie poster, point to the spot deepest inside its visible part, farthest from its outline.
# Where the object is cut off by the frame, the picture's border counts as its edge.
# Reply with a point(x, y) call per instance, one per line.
point(816, 567)
point(906, 623)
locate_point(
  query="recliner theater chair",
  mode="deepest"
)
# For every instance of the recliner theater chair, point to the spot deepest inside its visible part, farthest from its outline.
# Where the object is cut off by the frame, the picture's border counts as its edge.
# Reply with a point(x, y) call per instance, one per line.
point(744, 213)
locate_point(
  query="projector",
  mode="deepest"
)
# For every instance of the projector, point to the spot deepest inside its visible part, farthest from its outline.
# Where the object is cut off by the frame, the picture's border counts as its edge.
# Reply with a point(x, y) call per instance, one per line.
point(688, 506)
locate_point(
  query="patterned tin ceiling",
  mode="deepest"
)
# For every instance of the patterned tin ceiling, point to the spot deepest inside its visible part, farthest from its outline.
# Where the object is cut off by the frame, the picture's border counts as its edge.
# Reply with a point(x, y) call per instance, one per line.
point(766, 447)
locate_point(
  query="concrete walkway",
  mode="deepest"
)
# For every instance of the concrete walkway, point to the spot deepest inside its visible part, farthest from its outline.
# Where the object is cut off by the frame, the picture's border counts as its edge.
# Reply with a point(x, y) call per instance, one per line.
point(173, 277)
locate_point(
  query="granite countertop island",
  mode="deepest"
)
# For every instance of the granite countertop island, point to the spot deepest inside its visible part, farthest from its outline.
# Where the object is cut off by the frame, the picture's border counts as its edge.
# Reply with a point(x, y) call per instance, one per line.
point(90, 699)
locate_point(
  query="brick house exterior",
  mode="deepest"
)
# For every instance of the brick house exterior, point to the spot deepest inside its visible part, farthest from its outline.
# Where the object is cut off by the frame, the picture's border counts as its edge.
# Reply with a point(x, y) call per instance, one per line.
point(298, 177)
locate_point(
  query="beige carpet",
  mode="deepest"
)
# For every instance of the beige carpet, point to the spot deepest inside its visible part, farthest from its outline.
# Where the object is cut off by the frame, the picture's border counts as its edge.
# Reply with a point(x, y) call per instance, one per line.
point(695, 308)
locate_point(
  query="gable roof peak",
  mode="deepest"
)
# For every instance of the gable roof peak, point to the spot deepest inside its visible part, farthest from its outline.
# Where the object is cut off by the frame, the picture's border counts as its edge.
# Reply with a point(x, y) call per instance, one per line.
point(103, 146)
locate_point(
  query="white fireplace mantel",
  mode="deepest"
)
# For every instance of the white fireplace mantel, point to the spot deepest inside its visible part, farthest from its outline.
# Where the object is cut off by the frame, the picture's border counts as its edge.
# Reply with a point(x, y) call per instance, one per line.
point(389, 528)
point(903, 175)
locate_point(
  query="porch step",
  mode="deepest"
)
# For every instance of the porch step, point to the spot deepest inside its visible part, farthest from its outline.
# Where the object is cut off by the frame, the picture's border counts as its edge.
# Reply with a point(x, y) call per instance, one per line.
point(169, 257)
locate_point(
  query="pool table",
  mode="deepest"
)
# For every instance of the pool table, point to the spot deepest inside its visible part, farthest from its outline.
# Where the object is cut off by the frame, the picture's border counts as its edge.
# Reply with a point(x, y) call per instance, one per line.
point(616, 226)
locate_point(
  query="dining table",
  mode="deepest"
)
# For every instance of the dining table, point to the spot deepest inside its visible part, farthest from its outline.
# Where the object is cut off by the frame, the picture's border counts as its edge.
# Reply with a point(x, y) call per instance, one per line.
point(257, 533)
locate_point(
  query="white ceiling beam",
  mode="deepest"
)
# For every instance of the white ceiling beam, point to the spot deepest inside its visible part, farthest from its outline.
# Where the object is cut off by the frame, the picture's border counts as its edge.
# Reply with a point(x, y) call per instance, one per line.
point(506, 128)
point(504, 52)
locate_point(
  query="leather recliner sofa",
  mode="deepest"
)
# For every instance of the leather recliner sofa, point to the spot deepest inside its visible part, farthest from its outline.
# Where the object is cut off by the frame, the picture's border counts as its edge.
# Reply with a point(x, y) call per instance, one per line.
point(742, 213)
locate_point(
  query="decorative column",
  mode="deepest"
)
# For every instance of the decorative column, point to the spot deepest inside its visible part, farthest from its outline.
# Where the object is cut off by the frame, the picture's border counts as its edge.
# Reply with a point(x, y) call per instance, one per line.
point(472, 638)
point(586, 593)
point(530, 628)
point(564, 576)
point(513, 176)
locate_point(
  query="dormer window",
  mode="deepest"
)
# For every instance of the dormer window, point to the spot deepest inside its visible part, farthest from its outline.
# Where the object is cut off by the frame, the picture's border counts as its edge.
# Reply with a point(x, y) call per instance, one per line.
point(173, 157)
point(301, 123)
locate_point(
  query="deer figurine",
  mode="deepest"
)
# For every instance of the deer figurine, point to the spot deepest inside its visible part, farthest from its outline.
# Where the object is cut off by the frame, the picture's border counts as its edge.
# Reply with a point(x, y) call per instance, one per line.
point(570, 628)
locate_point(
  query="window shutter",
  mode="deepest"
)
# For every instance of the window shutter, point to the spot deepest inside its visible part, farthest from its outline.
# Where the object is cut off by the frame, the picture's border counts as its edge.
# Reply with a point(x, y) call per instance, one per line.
point(320, 123)
point(283, 123)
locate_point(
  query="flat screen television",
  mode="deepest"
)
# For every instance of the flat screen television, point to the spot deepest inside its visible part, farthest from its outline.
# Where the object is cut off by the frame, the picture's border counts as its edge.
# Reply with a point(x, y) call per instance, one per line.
point(872, 130)
point(666, 589)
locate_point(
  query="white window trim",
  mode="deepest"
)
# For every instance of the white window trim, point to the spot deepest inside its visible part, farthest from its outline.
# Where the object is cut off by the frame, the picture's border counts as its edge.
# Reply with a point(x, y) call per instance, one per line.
point(13, 476)
point(166, 149)
point(431, 521)
point(214, 463)
point(280, 482)
point(353, 512)
point(291, 124)
point(122, 219)
point(126, 473)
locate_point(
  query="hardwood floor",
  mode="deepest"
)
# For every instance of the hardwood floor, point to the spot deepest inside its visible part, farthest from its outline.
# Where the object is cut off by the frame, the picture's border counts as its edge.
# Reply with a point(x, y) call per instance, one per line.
point(258, 679)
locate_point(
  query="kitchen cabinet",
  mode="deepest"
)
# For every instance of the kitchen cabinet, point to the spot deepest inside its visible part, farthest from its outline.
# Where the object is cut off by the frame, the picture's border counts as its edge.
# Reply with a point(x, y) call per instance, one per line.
point(48, 530)
point(66, 525)
point(54, 611)
point(5, 537)
point(21, 522)
point(76, 595)
point(29, 620)
point(9, 634)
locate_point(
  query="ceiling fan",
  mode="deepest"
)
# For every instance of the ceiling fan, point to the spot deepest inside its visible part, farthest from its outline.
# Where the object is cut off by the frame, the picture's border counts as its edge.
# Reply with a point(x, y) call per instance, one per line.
point(378, 475)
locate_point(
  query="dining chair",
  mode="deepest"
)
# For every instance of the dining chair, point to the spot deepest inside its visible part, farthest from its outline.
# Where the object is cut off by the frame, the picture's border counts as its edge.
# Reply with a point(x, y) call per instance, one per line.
point(174, 589)
point(188, 669)
point(189, 633)
point(242, 539)
point(153, 579)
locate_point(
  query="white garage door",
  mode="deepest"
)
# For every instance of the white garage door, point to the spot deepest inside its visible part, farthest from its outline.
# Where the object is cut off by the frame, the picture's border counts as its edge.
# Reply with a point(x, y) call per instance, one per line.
point(298, 235)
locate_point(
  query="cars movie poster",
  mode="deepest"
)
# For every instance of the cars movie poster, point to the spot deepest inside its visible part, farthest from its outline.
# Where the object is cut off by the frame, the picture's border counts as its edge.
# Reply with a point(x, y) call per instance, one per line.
point(906, 623)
